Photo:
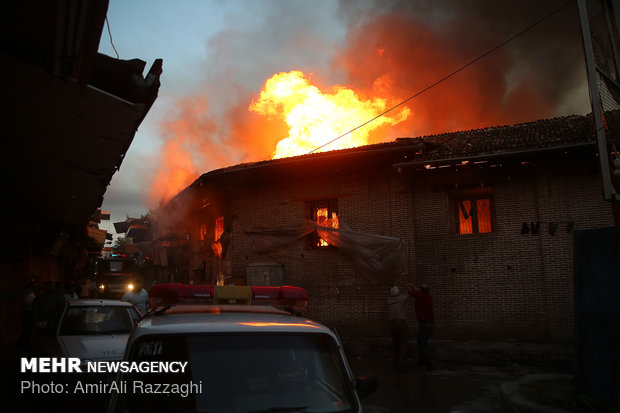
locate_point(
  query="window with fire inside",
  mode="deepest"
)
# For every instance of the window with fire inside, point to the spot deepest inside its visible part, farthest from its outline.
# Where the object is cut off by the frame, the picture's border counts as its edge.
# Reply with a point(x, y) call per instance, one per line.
point(472, 211)
point(325, 213)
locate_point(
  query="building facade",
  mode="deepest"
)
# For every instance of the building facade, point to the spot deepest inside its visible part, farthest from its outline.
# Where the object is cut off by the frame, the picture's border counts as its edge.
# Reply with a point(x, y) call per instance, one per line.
point(485, 217)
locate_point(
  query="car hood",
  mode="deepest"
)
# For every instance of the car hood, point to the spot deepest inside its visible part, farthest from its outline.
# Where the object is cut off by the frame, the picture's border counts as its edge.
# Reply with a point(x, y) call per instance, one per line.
point(99, 347)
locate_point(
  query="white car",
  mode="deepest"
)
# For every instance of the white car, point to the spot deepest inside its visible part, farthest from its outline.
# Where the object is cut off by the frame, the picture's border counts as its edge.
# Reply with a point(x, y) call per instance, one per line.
point(91, 329)
point(240, 358)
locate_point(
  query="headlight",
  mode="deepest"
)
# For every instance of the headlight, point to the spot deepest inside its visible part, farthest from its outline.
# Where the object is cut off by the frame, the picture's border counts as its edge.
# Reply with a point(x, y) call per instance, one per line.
point(101, 287)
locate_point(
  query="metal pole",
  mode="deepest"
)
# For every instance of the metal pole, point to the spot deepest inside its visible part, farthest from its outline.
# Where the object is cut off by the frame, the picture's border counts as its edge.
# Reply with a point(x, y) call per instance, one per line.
point(609, 193)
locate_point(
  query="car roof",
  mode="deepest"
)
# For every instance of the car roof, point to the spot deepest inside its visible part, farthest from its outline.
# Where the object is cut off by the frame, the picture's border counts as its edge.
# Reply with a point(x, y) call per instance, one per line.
point(188, 319)
point(97, 302)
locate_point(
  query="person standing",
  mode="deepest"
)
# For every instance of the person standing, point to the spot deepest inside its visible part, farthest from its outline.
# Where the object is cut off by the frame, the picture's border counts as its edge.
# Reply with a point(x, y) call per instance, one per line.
point(397, 316)
point(69, 291)
point(45, 302)
point(426, 321)
point(26, 317)
point(139, 297)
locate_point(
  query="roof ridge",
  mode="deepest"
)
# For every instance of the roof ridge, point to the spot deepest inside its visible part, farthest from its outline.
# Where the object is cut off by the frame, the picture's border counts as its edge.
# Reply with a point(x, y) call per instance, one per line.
point(448, 141)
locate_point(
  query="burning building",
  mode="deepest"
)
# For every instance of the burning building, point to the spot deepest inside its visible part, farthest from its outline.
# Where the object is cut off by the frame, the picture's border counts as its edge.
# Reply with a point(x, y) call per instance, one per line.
point(485, 216)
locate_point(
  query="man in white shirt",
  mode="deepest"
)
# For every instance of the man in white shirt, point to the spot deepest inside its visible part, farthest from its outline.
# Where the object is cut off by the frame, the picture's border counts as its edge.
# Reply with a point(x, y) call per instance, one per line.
point(397, 315)
point(139, 297)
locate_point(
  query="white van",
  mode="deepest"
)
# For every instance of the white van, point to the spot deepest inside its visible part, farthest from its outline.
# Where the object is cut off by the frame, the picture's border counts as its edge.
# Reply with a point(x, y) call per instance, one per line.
point(241, 356)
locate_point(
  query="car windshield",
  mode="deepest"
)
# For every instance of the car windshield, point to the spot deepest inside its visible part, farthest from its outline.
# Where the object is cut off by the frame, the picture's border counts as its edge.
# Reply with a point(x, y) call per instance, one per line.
point(83, 320)
point(242, 373)
point(116, 265)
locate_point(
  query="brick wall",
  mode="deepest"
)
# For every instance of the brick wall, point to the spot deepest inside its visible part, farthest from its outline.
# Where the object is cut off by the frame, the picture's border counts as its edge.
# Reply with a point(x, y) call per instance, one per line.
point(485, 286)
point(339, 296)
point(507, 284)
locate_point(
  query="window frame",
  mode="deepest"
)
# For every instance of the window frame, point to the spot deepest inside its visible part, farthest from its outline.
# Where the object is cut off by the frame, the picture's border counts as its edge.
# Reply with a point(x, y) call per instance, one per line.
point(219, 228)
point(311, 213)
point(456, 197)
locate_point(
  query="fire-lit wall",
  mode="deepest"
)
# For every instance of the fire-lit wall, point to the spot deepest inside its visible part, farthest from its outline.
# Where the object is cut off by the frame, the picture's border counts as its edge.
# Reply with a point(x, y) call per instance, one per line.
point(516, 282)
point(508, 284)
point(338, 296)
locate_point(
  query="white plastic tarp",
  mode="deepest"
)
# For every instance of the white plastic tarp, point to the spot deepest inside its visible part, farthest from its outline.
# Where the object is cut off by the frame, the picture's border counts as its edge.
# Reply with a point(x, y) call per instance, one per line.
point(373, 255)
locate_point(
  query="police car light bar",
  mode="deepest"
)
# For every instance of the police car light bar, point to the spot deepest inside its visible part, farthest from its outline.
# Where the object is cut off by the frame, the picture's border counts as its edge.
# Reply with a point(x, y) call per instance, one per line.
point(285, 296)
point(294, 298)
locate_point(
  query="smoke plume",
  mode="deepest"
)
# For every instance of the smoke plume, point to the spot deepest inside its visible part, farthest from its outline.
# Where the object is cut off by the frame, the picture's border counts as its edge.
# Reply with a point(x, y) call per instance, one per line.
point(379, 49)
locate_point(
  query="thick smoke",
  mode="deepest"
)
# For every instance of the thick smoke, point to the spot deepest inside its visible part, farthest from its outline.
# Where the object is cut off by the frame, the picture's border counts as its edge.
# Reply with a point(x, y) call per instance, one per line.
point(405, 46)
point(389, 49)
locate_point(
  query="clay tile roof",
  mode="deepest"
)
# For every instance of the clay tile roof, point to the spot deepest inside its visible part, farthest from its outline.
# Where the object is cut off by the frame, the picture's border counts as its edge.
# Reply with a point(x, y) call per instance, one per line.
point(547, 134)
point(557, 133)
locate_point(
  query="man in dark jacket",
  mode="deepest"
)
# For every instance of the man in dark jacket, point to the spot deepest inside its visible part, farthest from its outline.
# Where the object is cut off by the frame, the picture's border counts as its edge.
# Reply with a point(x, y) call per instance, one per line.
point(426, 321)
point(45, 303)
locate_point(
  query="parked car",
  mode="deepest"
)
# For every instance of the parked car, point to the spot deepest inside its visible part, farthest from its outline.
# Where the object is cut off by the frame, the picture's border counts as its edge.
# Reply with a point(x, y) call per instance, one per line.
point(91, 329)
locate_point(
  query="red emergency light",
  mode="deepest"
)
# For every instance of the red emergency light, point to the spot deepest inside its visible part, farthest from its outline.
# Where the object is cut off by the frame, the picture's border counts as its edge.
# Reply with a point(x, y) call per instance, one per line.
point(285, 296)
point(294, 298)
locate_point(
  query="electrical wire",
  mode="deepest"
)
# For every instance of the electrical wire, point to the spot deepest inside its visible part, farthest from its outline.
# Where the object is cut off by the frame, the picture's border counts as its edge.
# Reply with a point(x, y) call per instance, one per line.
point(110, 33)
point(482, 56)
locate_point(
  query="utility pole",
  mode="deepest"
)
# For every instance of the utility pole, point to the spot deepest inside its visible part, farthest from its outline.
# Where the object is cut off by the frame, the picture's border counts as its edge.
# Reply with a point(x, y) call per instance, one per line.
point(600, 20)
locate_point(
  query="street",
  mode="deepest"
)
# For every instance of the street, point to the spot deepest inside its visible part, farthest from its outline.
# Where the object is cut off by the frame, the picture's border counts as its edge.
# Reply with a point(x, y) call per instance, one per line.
point(456, 384)
point(449, 388)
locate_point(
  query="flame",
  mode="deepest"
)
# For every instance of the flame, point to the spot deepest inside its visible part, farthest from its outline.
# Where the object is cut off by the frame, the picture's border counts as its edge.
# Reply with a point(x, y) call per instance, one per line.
point(322, 219)
point(385, 58)
point(315, 118)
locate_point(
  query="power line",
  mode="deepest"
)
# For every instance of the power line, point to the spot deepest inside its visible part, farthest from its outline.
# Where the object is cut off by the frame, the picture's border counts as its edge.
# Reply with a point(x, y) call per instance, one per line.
point(110, 33)
point(482, 56)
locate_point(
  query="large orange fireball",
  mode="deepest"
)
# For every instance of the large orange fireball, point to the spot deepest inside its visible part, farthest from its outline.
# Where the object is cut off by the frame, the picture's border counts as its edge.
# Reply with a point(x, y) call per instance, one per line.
point(316, 118)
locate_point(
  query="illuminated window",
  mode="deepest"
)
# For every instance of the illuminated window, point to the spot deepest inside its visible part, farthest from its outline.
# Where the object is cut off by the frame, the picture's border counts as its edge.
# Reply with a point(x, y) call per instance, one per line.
point(217, 247)
point(473, 211)
point(324, 213)
point(219, 228)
